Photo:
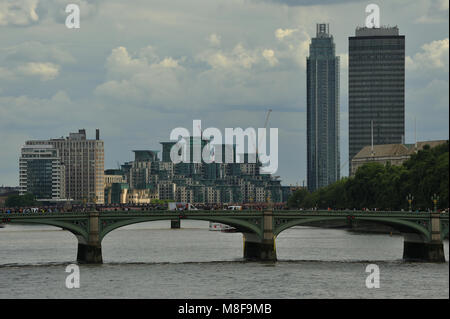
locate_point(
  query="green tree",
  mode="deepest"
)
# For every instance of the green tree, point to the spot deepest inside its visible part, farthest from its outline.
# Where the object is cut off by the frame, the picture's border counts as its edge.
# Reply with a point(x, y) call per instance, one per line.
point(20, 200)
point(297, 198)
point(387, 186)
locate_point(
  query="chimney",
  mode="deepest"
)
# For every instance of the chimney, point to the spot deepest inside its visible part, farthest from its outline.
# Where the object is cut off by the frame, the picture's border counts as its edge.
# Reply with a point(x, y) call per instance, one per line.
point(82, 133)
point(97, 134)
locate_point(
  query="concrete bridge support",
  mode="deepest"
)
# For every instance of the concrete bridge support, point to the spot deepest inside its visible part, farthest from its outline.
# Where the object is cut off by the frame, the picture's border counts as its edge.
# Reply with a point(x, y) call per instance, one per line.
point(418, 248)
point(90, 251)
point(261, 249)
point(175, 223)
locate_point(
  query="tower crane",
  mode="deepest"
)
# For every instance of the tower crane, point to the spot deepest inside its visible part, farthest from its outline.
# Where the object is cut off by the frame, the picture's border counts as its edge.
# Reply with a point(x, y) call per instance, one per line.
point(265, 126)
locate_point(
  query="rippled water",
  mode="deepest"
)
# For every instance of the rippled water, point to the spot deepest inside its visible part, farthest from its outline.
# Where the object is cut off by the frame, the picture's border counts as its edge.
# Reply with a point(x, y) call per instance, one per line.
point(150, 260)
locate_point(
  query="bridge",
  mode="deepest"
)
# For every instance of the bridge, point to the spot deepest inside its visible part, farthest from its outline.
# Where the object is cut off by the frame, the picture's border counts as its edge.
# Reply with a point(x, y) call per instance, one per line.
point(423, 232)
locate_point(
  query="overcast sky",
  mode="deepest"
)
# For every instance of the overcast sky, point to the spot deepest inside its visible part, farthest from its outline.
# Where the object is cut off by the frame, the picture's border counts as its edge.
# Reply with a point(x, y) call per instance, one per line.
point(137, 69)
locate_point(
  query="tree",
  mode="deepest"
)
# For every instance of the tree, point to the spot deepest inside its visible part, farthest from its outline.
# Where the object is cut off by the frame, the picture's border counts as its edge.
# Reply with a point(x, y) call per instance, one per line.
point(386, 186)
point(20, 200)
point(297, 198)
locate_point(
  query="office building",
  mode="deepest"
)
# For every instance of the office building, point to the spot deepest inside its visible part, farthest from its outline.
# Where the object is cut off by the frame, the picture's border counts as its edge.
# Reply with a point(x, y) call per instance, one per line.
point(83, 160)
point(376, 88)
point(41, 172)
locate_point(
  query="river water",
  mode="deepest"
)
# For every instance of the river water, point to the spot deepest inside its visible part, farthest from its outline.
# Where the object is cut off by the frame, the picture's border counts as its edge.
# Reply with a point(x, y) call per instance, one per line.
point(150, 260)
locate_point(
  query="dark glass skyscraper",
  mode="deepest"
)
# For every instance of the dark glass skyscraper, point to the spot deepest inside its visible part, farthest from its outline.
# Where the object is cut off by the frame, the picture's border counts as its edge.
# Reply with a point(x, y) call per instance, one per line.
point(322, 110)
point(376, 88)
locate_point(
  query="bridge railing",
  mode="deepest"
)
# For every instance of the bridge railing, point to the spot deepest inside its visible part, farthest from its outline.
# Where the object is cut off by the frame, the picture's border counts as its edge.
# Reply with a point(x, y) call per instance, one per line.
point(8, 212)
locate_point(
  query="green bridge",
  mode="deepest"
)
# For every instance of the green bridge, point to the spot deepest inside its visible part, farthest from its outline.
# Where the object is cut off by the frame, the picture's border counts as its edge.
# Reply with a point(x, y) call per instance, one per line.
point(423, 232)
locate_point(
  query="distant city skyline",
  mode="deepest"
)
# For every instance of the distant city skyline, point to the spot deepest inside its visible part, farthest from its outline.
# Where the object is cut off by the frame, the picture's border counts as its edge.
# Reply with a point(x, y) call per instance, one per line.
point(224, 62)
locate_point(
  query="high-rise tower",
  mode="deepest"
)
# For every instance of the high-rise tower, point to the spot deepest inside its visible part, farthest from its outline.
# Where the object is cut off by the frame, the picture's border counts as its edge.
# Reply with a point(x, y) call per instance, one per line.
point(376, 88)
point(322, 110)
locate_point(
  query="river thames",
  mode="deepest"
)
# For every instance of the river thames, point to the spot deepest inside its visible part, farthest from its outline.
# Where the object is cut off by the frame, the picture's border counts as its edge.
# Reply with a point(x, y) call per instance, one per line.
point(150, 260)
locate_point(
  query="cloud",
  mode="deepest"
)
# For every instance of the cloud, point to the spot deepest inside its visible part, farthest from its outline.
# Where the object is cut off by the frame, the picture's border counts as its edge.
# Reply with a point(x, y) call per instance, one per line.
point(169, 63)
point(239, 78)
point(22, 111)
point(236, 59)
point(430, 107)
point(282, 33)
point(18, 12)
point(28, 12)
point(142, 78)
point(295, 45)
point(214, 39)
point(46, 71)
point(55, 10)
point(269, 55)
point(437, 12)
point(6, 74)
point(434, 55)
point(37, 51)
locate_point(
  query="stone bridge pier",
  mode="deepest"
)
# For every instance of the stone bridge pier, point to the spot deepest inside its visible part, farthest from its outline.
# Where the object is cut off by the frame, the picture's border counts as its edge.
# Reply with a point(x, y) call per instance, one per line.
point(261, 248)
point(90, 249)
point(420, 248)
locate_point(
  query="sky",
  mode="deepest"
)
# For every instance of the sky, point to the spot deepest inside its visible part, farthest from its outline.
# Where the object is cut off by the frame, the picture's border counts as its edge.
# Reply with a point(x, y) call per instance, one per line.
point(137, 69)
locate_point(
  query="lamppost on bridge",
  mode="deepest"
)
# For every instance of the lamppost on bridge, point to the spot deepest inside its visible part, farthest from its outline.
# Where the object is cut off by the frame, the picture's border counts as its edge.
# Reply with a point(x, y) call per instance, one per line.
point(435, 199)
point(410, 198)
point(269, 202)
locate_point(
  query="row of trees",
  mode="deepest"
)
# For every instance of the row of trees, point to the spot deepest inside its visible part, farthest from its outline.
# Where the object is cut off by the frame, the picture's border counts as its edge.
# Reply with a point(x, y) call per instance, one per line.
point(385, 186)
point(20, 200)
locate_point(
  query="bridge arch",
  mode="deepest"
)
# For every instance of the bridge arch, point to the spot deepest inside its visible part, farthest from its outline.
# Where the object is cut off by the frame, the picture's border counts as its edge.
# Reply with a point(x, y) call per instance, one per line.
point(107, 226)
point(404, 226)
point(77, 227)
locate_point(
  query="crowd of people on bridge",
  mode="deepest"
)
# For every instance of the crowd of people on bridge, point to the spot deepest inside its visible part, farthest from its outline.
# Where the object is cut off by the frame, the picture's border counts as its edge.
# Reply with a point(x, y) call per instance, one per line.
point(156, 207)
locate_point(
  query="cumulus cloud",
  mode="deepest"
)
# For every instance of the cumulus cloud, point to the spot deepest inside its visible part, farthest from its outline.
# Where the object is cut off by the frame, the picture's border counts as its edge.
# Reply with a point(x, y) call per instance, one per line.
point(237, 77)
point(142, 77)
point(18, 12)
point(32, 59)
point(434, 55)
point(239, 57)
point(295, 45)
point(269, 55)
point(45, 71)
point(280, 34)
point(169, 63)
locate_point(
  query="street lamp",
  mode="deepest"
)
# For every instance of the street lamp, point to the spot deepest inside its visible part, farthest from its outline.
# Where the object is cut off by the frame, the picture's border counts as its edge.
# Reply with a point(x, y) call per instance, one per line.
point(269, 202)
point(410, 198)
point(435, 199)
